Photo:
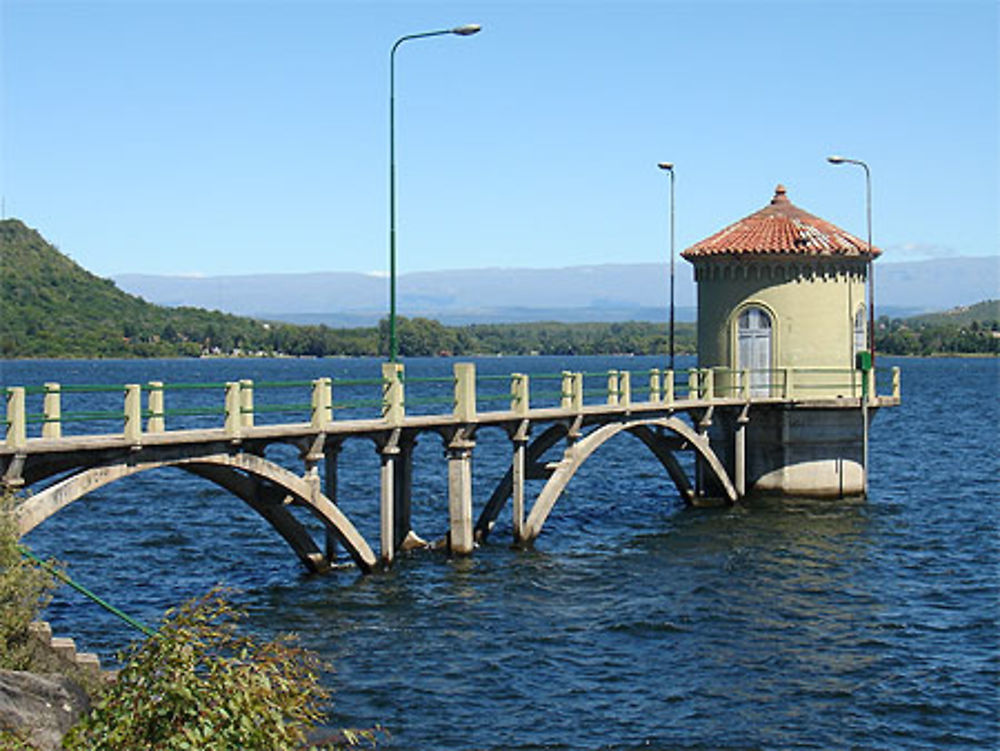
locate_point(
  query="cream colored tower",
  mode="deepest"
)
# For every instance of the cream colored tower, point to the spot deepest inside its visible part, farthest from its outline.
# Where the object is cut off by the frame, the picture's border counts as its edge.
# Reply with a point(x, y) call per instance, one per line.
point(781, 296)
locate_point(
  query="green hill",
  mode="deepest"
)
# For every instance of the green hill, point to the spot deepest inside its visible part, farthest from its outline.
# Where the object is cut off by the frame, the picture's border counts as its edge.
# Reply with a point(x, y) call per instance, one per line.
point(972, 329)
point(51, 307)
point(983, 313)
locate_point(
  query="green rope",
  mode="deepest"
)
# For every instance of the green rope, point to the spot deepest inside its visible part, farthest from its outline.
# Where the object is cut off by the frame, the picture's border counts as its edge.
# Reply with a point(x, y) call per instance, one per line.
point(86, 592)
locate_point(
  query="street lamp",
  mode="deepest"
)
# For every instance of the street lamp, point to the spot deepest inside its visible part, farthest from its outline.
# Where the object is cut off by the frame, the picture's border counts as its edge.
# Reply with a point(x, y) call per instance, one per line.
point(865, 396)
point(669, 167)
point(463, 31)
point(871, 266)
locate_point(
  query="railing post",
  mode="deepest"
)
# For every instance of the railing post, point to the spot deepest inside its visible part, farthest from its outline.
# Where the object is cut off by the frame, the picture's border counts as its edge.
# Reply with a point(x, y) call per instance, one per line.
point(393, 409)
point(17, 432)
point(668, 386)
point(709, 381)
point(745, 384)
point(577, 391)
point(519, 394)
point(232, 409)
point(870, 375)
point(693, 392)
point(612, 387)
point(322, 407)
point(625, 389)
point(246, 403)
point(566, 391)
point(789, 384)
point(154, 404)
point(465, 392)
point(654, 385)
point(896, 388)
point(52, 412)
point(133, 413)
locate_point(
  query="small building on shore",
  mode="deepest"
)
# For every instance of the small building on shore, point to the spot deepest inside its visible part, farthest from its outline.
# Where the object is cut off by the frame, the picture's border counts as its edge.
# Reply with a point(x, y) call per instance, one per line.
point(781, 295)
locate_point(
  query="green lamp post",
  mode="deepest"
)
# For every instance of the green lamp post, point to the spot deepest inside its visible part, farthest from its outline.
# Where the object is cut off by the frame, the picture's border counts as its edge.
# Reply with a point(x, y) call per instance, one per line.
point(466, 30)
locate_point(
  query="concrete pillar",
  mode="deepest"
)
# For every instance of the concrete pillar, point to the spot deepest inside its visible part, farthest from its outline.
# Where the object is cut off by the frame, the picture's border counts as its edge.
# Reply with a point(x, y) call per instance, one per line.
point(322, 403)
point(668, 386)
point(576, 390)
point(246, 403)
point(402, 490)
point(232, 408)
point(465, 392)
point(133, 413)
point(654, 385)
point(52, 412)
point(708, 384)
point(460, 538)
point(154, 404)
point(17, 429)
point(566, 392)
point(625, 389)
point(519, 394)
point(740, 457)
point(613, 387)
point(693, 392)
point(387, 504)
point(392, 393)
point(517, 489)
point(331, 453)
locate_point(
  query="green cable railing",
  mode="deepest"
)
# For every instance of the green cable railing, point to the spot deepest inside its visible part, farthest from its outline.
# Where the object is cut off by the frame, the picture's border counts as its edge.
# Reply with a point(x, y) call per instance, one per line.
point(63, 577)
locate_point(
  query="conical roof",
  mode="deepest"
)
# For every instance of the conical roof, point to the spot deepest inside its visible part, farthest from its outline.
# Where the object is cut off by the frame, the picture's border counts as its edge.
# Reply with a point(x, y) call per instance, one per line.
point(780, 228)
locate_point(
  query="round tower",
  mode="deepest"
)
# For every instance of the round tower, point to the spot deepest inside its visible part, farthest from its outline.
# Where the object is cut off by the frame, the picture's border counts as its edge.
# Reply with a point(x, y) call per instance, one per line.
point(782, 313)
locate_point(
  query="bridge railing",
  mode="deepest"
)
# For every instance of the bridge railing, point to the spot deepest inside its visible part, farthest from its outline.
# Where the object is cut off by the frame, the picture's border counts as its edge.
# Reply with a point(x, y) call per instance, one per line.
point(237, 406)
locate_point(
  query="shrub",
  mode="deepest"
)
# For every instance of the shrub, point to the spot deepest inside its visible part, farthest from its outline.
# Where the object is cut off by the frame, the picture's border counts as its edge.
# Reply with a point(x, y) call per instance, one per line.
point(199, 684)
point(24, 591)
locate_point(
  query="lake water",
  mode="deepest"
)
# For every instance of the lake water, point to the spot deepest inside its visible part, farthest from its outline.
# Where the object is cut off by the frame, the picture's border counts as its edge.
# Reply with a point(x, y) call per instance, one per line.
point(634, 622)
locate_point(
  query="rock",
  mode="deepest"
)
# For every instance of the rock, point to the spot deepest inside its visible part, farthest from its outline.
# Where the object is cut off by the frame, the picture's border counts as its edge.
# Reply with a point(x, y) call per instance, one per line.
point(45, 706)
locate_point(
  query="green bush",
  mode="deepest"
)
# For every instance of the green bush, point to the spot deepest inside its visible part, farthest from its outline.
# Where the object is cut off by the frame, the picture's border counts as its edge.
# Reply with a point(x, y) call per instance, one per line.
point(24, 591)
point(199, 684)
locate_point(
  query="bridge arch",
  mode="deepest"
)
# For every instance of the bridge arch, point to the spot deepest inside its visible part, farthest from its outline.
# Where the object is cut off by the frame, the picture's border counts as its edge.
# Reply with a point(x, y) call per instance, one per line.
point(578, 453)
point(266, 487)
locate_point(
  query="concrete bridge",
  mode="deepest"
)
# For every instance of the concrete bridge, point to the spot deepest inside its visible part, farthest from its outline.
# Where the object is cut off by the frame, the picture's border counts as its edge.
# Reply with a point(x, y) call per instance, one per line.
point(709, 413)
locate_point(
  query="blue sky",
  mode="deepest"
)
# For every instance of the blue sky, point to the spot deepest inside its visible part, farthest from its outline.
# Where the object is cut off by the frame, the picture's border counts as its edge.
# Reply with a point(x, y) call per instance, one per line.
point(245, 137)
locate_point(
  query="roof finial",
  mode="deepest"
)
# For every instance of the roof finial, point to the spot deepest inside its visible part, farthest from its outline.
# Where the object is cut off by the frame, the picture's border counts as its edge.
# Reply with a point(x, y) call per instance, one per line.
point(779, 194)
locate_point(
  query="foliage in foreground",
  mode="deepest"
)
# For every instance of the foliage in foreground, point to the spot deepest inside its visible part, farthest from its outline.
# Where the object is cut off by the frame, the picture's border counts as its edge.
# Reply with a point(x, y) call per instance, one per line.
point(199, 684)
point(24, 592)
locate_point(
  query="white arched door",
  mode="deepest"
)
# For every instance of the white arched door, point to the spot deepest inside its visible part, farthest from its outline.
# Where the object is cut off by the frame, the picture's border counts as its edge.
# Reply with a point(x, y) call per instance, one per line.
point(753, 334)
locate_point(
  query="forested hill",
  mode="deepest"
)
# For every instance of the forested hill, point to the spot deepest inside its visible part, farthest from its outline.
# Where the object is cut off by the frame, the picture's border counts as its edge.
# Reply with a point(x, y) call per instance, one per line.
point(51, 307)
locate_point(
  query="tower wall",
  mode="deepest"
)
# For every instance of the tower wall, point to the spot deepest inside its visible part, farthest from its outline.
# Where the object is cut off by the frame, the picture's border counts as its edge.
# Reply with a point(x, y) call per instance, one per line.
point(796, 451)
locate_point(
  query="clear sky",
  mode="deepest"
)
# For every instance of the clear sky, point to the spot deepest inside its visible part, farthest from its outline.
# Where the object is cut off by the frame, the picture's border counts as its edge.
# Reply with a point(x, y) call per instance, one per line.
point(244, 137)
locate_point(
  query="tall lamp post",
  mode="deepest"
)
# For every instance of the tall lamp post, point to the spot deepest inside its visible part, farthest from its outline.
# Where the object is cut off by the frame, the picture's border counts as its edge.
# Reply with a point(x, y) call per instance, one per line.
point(669, 167)
point(464, 31)
point(865, 396)
point(871, 266)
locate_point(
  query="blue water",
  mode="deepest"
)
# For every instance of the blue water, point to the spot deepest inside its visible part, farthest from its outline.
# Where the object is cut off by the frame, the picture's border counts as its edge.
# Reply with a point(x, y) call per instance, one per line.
point(634, 623)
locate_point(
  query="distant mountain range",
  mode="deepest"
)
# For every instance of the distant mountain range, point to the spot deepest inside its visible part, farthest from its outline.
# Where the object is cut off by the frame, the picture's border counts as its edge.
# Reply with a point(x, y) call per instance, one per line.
point(611, 292)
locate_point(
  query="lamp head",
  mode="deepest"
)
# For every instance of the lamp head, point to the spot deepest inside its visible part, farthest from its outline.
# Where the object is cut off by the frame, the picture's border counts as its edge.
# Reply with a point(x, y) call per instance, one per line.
point(468, 30)
point(836, 159)
point(666, 165)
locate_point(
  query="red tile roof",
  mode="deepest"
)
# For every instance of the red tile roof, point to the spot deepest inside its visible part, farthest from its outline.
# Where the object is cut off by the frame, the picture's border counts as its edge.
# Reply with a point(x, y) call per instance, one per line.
point(780, 228)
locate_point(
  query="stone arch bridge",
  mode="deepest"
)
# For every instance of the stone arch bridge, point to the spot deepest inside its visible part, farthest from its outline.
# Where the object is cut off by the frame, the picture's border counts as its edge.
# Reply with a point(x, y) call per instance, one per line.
point(51, 471)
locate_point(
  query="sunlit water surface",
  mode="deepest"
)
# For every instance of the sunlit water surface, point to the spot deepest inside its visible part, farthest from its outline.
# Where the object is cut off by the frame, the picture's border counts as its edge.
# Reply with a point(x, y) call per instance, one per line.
point(634, 622)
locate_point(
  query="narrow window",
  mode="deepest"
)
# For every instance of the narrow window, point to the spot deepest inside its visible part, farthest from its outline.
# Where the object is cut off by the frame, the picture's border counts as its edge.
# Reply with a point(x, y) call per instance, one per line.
point(754, 350)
